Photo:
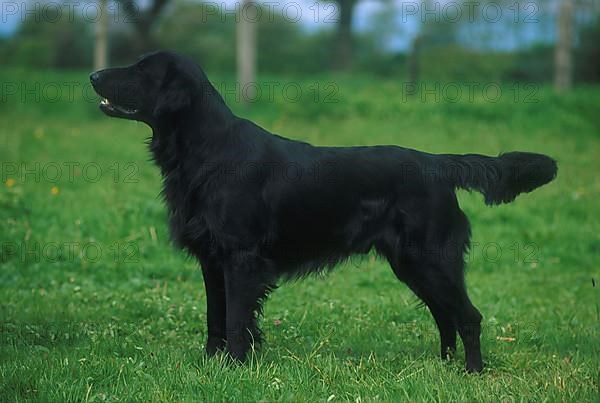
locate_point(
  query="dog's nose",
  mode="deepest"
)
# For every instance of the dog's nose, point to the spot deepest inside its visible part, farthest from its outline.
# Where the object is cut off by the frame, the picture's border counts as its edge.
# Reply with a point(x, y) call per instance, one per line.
point(94, 77)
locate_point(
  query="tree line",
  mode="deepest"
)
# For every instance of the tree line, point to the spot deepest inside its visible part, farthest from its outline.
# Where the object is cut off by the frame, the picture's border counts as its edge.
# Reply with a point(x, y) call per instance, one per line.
point(282, 46)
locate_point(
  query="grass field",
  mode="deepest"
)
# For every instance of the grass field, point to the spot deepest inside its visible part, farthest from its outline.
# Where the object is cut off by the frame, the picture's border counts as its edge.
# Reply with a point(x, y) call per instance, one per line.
point(95, 305)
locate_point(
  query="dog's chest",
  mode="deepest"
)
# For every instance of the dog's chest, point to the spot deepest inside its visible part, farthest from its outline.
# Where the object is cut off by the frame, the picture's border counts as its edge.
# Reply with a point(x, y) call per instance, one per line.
point(195, 215)
point(186, 210)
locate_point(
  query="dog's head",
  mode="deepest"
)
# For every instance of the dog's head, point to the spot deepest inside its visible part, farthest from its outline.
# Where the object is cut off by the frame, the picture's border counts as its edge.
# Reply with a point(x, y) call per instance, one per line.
point(157, 85)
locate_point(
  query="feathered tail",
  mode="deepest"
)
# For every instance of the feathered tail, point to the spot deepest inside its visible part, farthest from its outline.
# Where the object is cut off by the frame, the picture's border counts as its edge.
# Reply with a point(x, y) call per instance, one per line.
point(500, 179)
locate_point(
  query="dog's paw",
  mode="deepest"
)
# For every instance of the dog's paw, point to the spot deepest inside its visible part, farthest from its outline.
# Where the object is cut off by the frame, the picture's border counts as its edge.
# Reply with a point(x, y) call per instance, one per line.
point(474, 368)
point(214, 345)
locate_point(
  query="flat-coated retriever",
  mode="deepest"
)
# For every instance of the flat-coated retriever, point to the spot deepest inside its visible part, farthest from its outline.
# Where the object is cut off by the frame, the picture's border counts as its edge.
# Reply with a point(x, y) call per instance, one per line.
point(254, 207)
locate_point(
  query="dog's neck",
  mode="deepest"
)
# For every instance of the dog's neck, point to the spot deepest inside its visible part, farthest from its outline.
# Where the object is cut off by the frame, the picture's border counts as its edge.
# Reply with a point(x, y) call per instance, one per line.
point(188, 147)
point(197, 135)
point(197, 126)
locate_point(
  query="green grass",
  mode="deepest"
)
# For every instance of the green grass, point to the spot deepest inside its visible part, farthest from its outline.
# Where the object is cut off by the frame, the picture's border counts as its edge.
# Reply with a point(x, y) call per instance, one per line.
point(95, 305)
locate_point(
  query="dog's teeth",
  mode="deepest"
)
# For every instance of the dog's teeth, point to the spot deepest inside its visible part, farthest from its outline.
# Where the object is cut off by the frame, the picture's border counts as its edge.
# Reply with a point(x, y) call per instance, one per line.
point(104, 101)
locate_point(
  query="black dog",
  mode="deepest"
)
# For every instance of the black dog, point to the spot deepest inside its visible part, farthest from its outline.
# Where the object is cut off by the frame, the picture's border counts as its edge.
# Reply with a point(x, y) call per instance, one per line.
point(254, 207)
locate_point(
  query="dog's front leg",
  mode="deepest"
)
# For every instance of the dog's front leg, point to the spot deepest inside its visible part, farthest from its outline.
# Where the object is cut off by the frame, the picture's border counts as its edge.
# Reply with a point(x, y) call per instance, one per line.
point(245, 290)
point(214, 283)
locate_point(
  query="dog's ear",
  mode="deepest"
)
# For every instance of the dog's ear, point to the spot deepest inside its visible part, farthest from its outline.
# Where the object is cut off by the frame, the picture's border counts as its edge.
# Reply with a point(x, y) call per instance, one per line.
point(174, 94)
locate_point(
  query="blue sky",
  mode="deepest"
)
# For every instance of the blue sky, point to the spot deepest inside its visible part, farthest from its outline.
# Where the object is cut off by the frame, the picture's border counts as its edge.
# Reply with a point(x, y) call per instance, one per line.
point(8, 23)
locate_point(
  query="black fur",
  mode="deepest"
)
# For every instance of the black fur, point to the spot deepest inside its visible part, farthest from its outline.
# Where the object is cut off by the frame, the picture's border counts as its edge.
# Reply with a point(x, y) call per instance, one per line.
point(254, 207)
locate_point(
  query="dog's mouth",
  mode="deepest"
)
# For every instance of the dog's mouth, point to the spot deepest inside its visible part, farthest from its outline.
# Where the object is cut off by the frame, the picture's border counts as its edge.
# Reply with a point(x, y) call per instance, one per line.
point(108, 106)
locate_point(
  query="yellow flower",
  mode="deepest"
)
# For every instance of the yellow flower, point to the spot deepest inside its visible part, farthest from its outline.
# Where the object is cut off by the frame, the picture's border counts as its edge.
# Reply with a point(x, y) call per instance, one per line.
point(54, 190)
point(10, 182)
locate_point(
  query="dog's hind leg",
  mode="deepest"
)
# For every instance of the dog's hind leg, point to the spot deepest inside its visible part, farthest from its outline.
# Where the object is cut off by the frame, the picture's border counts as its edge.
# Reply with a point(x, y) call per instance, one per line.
point(469, 327)
point(443, 318)
point(446, 328)
point(436, 275)
point(447, 299)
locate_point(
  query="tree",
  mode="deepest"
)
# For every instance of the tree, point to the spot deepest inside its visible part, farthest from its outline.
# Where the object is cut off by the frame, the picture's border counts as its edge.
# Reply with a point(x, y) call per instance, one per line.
point(143, 20)
point(414, 67)
point(246, 51)
point(344, 40)
point(101, 38)
point(563, 57)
